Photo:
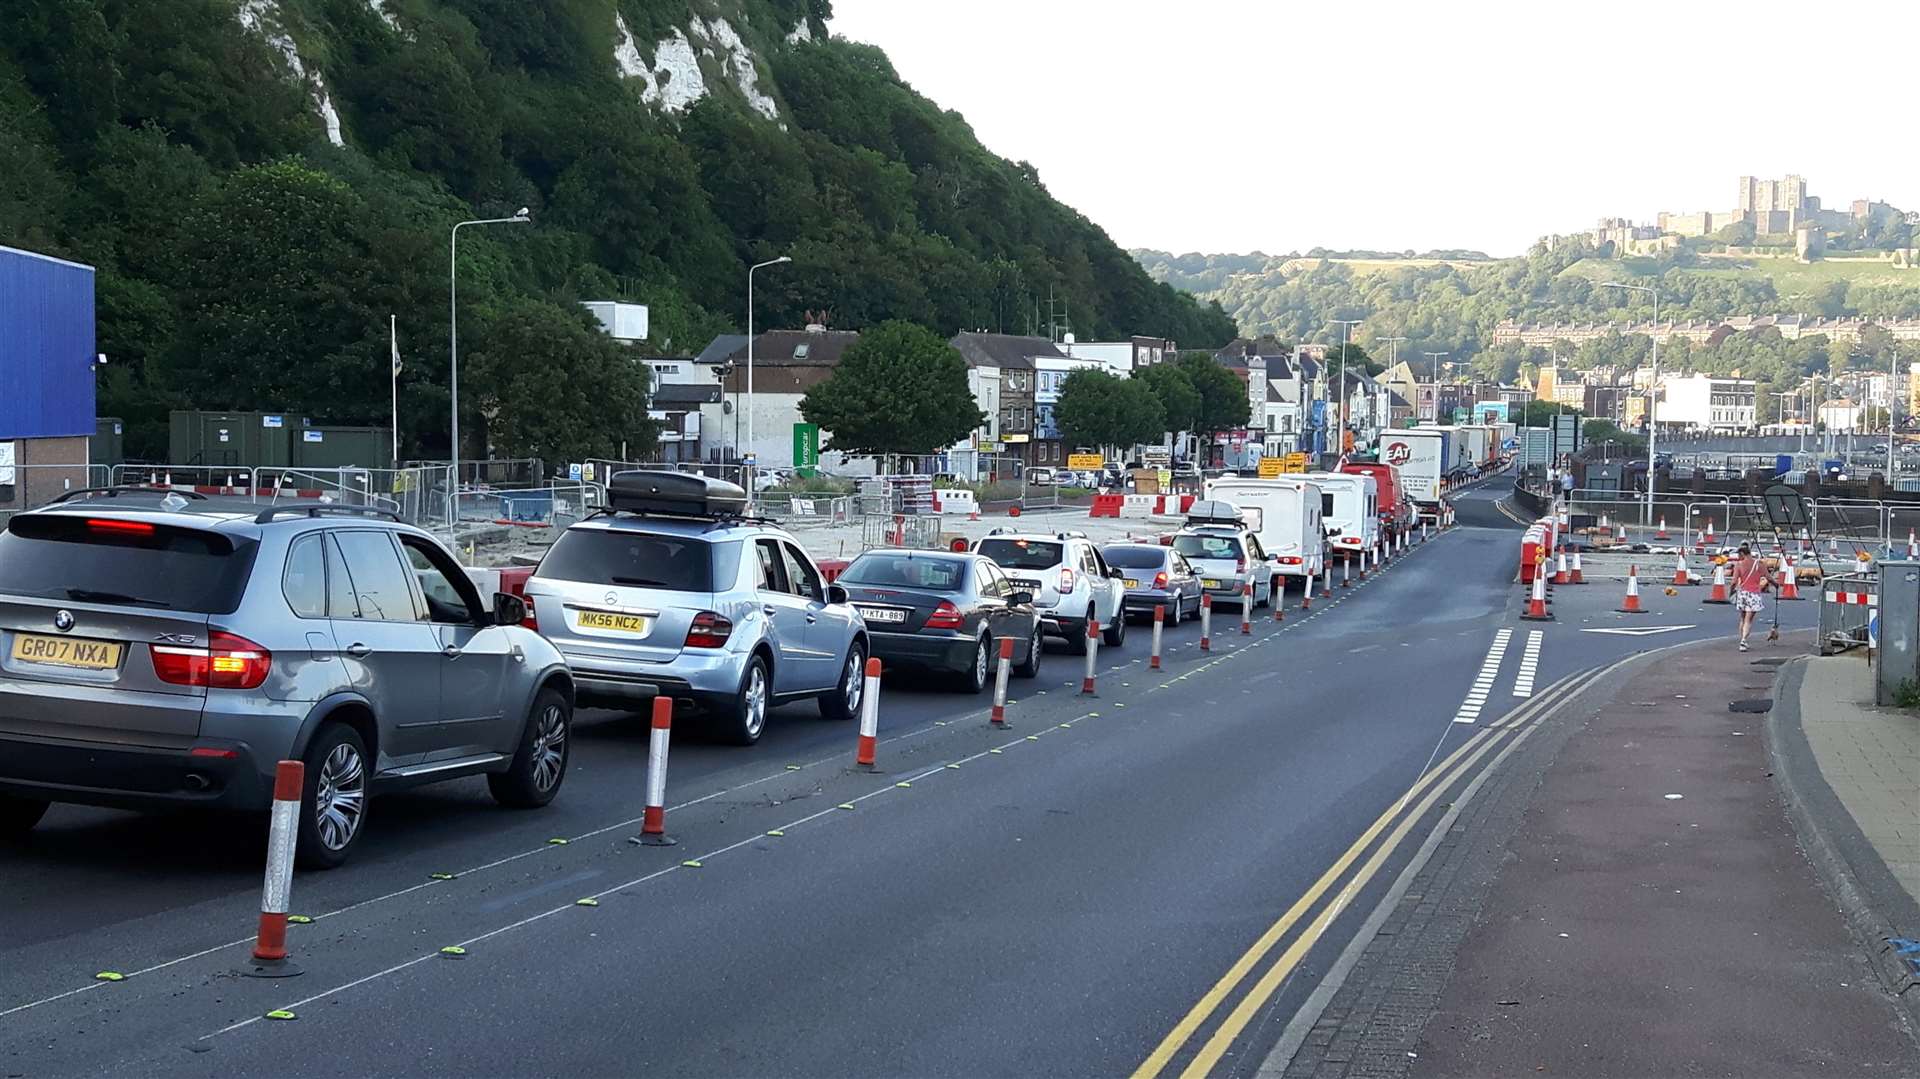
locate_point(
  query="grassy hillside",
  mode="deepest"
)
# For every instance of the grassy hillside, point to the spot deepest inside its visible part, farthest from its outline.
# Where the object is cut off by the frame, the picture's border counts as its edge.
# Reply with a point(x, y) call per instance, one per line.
point(262, 183)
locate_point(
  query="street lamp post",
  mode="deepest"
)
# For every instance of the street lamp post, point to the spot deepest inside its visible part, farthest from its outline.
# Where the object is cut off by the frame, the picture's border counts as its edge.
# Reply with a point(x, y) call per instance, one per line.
point(453, 340)
point(750, 269)
point(1346, 333)
point(1653, 386)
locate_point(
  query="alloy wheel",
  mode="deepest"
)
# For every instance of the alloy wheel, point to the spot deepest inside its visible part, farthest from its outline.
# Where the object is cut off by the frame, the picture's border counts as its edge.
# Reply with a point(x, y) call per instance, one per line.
point(756, 702)
point(855, 684)
point(340, 798)
point(549, 748)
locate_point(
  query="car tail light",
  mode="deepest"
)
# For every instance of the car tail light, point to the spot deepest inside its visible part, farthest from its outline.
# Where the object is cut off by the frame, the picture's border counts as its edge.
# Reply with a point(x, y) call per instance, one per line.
point(945, 616)
point(1239, 565)
point(1351, 539)
point(119, 528)
point(1166, 540)
point(532, 620)
point(708, 630)
point(1066, 579)
point(228, 662)
point(1289, 560)
point(1160, 579)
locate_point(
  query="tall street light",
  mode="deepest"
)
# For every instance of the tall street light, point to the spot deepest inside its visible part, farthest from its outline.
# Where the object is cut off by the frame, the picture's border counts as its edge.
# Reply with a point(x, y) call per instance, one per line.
point(1346, 331)
point(1434, 357)
point(453, 338)
point(750, 269)
point(1653, 387)
point(1394, 361)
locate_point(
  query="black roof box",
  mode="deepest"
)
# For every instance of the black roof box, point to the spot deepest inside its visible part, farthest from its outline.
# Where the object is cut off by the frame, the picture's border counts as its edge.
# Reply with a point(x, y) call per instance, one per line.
point(676, 494)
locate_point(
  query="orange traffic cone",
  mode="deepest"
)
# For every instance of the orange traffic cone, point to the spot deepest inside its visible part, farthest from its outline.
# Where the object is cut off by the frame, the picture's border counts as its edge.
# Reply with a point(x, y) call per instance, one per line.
point(1537, 605)
point(1621, 535)
point(1577, 579)
point(1789, 585)
point(1662, 534)
point(1709, 537)
point(1719, 593)
point(1560, 570)
point(1680, 574)
point(1631, 605)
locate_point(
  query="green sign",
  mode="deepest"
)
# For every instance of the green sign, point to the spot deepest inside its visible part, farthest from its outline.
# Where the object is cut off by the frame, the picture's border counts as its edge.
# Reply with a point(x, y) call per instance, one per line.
point(806, 448)
point(1459, 415)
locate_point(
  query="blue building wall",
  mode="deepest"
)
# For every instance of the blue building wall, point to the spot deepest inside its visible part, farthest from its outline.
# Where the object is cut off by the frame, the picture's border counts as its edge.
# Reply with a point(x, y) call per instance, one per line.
point(46, 346)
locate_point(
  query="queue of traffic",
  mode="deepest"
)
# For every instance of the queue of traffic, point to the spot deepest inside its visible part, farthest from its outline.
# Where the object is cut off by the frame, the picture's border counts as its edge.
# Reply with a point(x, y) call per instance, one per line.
point(168, 649)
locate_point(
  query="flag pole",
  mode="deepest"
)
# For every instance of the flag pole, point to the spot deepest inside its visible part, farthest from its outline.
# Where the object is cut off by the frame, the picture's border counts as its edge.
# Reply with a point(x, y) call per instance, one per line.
point(393, 331)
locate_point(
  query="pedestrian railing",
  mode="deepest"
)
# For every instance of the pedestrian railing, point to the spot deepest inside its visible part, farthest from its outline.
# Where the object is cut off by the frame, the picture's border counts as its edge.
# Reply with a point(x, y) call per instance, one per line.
point(899, 530)
point(1848, 602)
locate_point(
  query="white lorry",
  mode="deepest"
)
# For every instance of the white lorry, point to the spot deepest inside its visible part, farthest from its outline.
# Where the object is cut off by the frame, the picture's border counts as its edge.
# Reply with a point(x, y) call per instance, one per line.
point(1349, 510)
point(1286, 515)
point(1421, 455)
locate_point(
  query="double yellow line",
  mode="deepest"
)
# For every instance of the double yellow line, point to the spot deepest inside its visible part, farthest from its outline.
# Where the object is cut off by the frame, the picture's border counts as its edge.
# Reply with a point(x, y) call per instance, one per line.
point(1434, 784)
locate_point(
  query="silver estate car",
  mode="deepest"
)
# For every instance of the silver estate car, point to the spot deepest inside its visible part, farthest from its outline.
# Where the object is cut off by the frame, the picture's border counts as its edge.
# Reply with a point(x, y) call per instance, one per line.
point(673, 592)
point(159, 649)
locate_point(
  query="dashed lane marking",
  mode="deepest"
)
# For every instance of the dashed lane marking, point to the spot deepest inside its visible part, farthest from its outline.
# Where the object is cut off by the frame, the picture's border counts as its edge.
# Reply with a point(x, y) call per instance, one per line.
point(1529, 663)
point(1483, 683)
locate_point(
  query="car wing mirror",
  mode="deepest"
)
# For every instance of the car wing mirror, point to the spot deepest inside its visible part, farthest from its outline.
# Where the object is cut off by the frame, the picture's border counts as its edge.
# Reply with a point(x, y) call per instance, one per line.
point(1116, 574)
point(508, 609)
point(837, 594)
point(1020, 599)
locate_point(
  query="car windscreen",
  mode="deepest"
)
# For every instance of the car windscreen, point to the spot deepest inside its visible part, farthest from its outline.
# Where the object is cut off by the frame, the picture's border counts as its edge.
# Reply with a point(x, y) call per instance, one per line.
point(906, 571)
point(1135, 557)
point(1203, 546)
point(639, 559)
point(1022, 554)
point(129, 562)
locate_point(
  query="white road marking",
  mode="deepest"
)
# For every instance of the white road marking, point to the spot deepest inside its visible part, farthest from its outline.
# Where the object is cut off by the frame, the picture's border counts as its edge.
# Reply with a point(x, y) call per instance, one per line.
point(1489, 670)
point(1529, 663)
point(1644, 631)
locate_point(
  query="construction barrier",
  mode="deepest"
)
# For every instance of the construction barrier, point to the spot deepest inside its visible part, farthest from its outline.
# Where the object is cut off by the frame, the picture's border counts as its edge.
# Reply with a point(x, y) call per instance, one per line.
point(1107, 505)
point(955, 500)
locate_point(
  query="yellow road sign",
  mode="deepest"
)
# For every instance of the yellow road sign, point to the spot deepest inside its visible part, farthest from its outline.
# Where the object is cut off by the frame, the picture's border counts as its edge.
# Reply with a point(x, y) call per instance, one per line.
point(1085, 461)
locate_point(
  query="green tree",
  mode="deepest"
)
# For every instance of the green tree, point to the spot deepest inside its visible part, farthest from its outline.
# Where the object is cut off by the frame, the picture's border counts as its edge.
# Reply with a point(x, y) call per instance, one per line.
point(1223, 397)
point(1097, 409)
point(1541, 413)
point(1179, 401)
point(542, 380)
point(899, 389)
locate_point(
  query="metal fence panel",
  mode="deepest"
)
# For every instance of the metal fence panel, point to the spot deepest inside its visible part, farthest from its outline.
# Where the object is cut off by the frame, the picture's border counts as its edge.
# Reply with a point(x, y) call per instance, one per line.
point(1844, 625)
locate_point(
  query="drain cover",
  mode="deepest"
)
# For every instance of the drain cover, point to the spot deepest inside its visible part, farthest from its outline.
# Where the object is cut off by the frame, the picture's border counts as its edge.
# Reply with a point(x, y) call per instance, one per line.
point(1752, 704)
point(1774, 661)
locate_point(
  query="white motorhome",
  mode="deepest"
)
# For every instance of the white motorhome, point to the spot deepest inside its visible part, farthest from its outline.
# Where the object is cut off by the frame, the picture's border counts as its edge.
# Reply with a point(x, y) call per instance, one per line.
point(1349, 509)
point(1286, 515)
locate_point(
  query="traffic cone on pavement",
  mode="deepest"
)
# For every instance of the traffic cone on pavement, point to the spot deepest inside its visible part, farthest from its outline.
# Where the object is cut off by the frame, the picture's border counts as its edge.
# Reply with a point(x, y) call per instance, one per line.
point(1719, 593)
point(1709, 536)
point(1577, 578)
point(1913, 549)
point(1680, 574)
point(1789, 583)
point(1662, 534)
point(1560, 570)
point(1620, 537)
point(1537, 604)
point(1631, 605)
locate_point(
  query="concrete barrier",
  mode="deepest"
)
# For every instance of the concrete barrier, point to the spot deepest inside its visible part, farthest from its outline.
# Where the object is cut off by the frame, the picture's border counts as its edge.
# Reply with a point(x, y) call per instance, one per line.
point(956, 500)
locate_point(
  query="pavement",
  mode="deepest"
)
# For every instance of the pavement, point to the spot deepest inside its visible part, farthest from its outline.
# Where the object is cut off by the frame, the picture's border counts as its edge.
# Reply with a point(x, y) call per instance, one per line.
point(1168, 877)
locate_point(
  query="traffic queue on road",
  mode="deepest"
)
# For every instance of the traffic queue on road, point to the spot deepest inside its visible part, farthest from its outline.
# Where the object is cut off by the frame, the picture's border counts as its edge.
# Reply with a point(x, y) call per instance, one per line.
point(171, 650)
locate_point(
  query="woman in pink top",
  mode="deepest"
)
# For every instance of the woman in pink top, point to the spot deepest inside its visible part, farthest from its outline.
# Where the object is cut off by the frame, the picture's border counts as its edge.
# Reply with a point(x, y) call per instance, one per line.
point(1749, 581)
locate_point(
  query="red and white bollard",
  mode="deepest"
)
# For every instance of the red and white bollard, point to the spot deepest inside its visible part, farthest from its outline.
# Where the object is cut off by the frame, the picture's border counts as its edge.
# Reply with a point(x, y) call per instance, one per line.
point(864, 756)
point(1206, 621)
point(1159, 623)
point(653, 824)
point(1277, 590)
point(1093, 654)
point(1346, 571)
point(1000, 682)
point(1246, 608)
point(283, 833)
point(1306, 596)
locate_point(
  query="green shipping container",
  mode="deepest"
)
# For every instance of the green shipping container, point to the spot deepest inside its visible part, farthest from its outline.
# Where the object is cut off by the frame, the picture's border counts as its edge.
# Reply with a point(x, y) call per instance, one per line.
point(231, 439)
point(109, 445)
point(342, 447)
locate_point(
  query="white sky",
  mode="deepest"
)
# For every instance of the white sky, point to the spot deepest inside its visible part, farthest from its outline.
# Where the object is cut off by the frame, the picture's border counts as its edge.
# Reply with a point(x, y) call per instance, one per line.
point(1231, 125)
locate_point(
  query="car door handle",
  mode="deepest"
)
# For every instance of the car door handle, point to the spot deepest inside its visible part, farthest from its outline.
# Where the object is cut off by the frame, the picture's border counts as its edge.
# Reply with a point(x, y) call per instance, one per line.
point(356, 650)
point(767, 609)
point(812, 618)
point(451, 651)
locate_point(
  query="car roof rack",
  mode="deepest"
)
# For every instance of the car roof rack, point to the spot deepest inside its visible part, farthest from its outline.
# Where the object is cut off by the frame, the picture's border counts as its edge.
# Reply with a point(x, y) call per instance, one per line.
point(323, 509)
point(121, 489)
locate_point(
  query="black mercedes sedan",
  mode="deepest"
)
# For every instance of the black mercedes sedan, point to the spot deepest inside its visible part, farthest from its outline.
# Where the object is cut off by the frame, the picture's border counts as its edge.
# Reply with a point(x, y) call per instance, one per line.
point(946, 612)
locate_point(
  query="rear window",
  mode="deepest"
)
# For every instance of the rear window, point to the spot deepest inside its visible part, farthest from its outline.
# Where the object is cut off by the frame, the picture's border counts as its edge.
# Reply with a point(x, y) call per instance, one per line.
point(906, 571)
point(129, 562)
point(1207, 546)
point(1135, 557)
point(1022, 554)
point(640, 560)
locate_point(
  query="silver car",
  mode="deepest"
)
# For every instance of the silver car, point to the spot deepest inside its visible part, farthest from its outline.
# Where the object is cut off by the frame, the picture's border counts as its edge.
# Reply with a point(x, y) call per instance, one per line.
point(673, 592)
point(168, 650)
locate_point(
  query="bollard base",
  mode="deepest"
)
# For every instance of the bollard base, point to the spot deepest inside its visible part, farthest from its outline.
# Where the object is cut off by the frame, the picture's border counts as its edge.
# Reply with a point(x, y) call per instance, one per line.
point(644, 840)
point(271, 968)
point(869, 769)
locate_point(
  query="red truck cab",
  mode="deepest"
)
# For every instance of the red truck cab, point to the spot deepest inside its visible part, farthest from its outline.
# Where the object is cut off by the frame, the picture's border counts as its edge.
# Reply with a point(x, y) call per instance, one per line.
point(1395, 515)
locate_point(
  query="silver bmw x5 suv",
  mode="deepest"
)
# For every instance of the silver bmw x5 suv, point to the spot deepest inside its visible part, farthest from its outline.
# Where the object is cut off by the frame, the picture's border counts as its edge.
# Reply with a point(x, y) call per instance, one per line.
point(674, 592)
point(166, 650)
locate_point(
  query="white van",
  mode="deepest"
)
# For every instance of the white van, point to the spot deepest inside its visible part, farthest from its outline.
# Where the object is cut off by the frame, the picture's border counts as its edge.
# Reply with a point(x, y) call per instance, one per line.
point(1350, 509)
point(1285, 515)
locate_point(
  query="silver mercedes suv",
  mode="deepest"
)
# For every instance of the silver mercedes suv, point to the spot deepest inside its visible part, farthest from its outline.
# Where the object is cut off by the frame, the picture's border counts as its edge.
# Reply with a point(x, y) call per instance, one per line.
point(160, 649)
point(673, 592)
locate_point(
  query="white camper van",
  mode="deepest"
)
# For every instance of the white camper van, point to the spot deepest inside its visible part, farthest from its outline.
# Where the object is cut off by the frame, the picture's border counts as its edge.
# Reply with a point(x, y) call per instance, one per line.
point(1349, 509)
point(1286, 515)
